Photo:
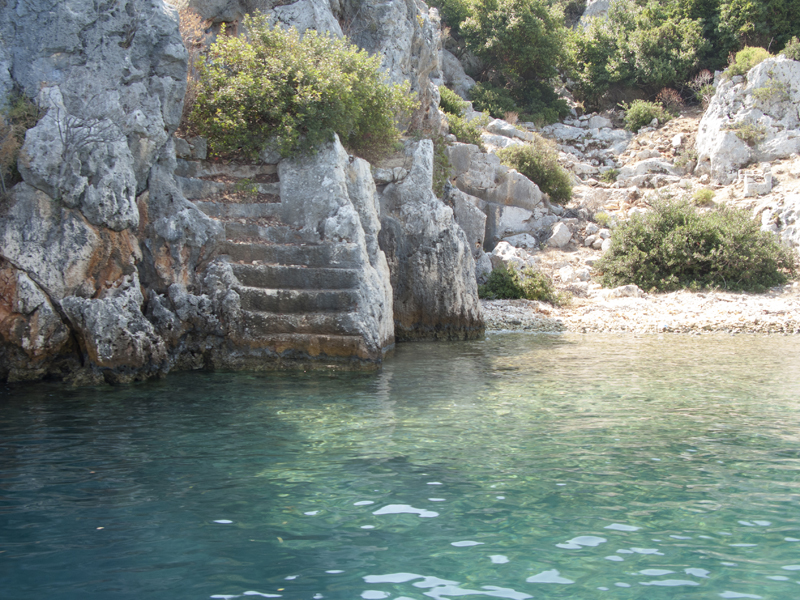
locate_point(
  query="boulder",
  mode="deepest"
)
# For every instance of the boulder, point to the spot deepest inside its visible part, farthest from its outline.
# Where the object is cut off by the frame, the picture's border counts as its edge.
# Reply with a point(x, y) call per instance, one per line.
point(560, 236)
point(500, 127)
point(594, 8)
point(504, 254)
point(308, 14)
point(115, 336)
point(751, 119)
point(453, 75)
point(469, 217)
point(430, 258)
point(482, 175)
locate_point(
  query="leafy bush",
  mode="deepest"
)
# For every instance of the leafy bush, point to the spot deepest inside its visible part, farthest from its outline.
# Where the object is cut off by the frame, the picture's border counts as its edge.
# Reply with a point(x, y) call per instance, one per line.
point(609, 176)
point(750, 133)
point(640, 113)
point(703, 197)
point(757, 23)
point(602, 218)
point(745, 59)
point(295, 93)
point(650, 45)
point(492, 99)
point(20, 114)
point(450, 102)
point(538, 161)
point(468, 132)
point(508, 283)
point(522, 44)
point(676, 246)
point(792, 49)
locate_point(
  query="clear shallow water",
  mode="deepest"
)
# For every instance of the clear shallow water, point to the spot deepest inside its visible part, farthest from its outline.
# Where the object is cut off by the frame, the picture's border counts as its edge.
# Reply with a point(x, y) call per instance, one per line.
point(520, 466)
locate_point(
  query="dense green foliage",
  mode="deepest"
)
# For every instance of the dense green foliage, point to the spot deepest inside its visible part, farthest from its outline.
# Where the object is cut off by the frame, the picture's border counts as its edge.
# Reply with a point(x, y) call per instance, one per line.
point(745, 59)
point(274, 86)
point(677, 246)
point(17, 116)
point(468, 132)
point(508, 283)
point(642, 46)
point(792, 49)
point(538, 161)
point(648, 46)
point(640, 113)
point(521, 45)
point(450, 102)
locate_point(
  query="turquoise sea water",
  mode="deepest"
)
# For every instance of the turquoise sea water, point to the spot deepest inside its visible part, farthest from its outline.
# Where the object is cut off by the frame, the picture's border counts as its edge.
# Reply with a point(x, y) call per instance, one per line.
point(520, 466)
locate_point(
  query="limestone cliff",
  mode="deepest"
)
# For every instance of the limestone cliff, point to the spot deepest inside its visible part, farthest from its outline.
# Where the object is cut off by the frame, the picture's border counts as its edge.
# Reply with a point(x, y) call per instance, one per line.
point(124, 254)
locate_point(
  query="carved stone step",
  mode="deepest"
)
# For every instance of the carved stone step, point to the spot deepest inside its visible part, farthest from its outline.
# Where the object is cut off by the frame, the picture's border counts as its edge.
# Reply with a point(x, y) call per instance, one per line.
point(258, 324)
point(335, 256)
point(204, 168)
point(239, 210)
point(204, 189)
point(273, 234)
point(297, 301)
point(301, 347)
point(295, 278)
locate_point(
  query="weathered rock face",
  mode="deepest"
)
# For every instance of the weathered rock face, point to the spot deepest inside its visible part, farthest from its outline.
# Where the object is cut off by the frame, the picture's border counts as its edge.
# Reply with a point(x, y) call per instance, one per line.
point(110, 84)
point(430, 259)
point(512, 203)
point(120, 262)
point(751, 119)
point(453, 75)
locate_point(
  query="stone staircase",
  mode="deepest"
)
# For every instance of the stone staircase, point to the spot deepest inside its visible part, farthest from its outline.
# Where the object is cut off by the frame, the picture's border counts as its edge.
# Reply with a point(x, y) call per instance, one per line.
point(299, 296)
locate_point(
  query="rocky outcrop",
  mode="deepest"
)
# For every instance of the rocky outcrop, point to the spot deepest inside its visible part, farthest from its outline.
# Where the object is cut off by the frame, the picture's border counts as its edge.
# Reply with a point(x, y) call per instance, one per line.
point(126, 254)
point(511, 202)
point(751, 119)
point(430, 259)
point(453, 75)
point(594, 9)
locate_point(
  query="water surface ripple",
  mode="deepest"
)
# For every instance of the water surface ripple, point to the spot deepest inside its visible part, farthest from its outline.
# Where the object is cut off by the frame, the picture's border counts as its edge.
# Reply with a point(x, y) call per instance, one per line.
point(518, 466)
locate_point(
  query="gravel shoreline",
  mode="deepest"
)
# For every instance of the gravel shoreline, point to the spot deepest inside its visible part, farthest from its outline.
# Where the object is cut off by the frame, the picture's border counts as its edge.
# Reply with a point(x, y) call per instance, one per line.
point(775, 312)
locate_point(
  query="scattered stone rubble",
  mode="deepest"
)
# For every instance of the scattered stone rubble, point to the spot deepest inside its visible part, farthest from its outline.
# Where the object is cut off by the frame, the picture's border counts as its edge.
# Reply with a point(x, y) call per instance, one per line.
point(669, 160)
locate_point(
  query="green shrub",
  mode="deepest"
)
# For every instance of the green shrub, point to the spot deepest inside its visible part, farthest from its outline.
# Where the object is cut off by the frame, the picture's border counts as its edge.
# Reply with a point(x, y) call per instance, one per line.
point(792, 49)
point(538, 161)
point(522, 43)
point(644, 44)
point(18, 115)
point(750, 133)
point(609, 176)
point(757, 23)
point(703, 197)
point(602, 218)
point(745, 59)
point(640, 113)
point(492, 99)
point(294, 92)
point(508, 283)
point(450, 102)
point(468, 132)
point(772, 91)
point(676, 246)
point(441, 166)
